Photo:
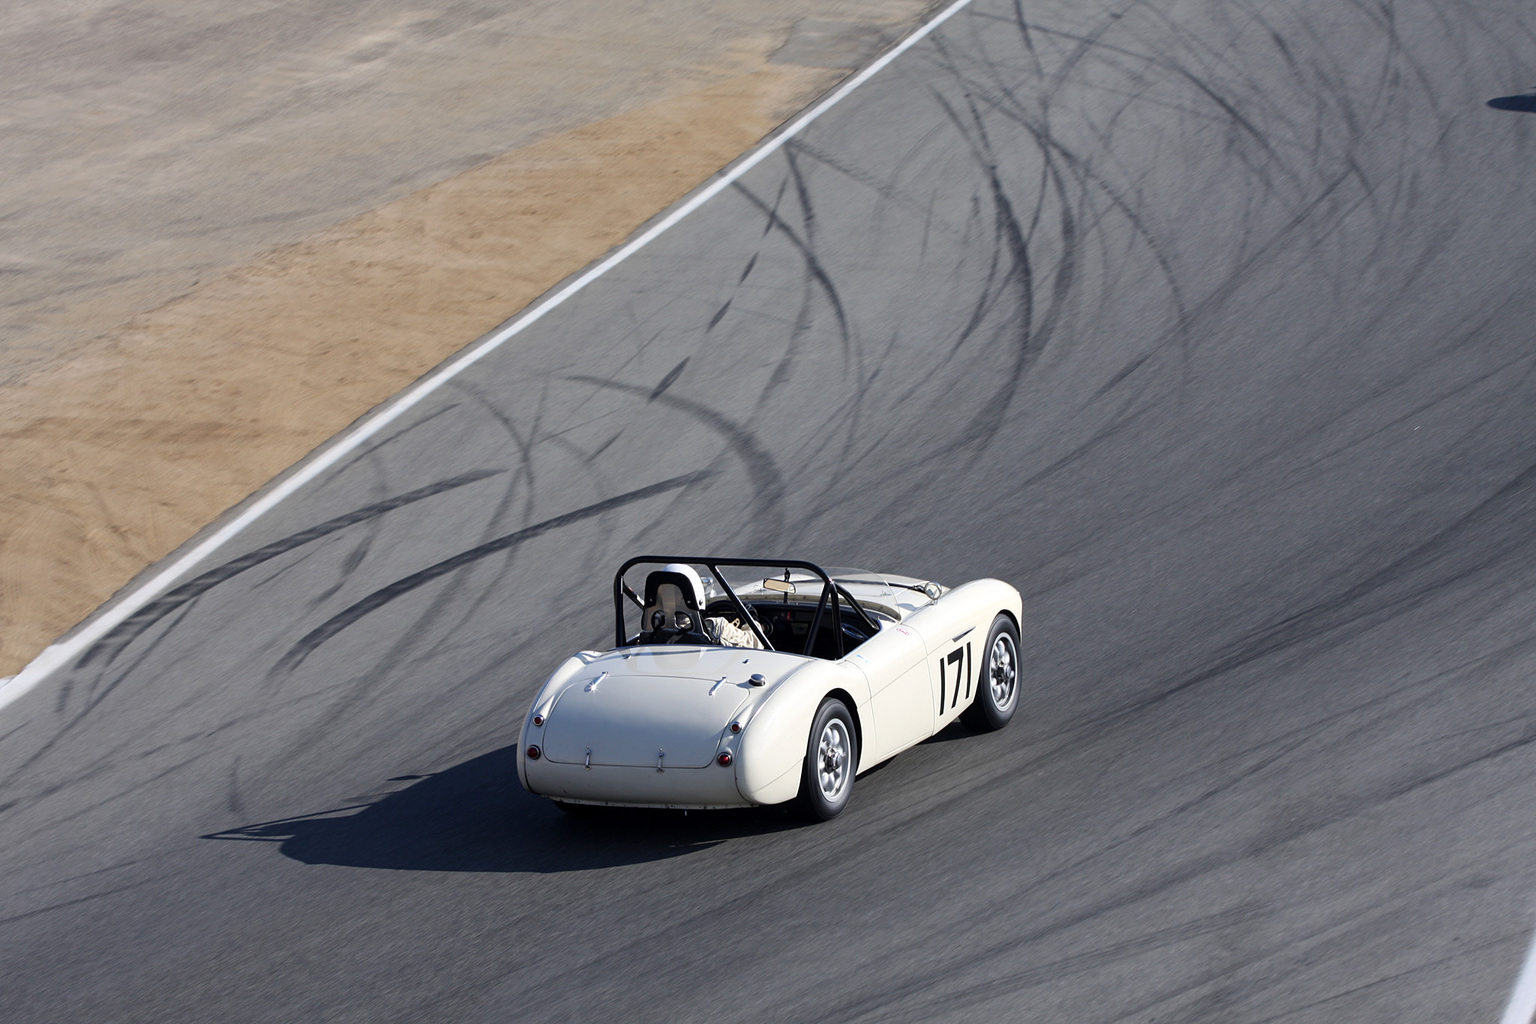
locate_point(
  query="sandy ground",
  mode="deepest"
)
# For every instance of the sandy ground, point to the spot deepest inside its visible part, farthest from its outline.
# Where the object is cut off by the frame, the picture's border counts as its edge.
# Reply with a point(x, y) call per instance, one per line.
point(213, 261)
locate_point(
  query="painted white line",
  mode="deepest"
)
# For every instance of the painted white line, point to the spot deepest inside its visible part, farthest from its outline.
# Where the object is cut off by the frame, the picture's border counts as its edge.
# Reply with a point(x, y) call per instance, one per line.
point(66, 650)
point(1522, 1001)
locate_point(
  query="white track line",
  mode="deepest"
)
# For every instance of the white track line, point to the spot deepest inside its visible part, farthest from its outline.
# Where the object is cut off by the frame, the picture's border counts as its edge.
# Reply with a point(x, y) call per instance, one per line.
point(60, 654)
point(1522, 1001)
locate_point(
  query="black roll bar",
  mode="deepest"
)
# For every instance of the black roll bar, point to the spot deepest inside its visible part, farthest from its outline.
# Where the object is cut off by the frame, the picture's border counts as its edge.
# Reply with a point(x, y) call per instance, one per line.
point(830, 591)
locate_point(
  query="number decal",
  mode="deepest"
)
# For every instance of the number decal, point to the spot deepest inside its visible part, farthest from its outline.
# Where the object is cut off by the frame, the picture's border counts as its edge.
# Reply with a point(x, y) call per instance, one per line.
point(967, 670)
point(960, 658)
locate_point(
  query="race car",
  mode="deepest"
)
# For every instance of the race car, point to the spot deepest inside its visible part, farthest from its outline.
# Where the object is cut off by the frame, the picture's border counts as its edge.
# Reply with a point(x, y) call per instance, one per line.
point(739, 683)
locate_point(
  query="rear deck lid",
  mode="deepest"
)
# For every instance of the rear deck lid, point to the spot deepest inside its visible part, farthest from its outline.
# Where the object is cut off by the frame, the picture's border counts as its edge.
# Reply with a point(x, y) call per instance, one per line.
point(640, 720)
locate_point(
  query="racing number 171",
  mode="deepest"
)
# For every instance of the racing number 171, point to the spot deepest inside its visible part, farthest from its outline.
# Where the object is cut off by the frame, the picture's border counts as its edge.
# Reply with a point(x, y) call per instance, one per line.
point(960, 659)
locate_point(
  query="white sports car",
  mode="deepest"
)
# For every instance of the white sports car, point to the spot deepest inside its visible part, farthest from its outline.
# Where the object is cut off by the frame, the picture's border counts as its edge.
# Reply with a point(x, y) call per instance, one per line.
point(736, 683)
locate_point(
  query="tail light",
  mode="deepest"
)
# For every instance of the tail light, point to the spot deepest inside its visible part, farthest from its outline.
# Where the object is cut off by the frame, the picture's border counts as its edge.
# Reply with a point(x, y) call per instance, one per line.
point(534, 752)
point(724, 759)
point(735, 727)
point(538, 719)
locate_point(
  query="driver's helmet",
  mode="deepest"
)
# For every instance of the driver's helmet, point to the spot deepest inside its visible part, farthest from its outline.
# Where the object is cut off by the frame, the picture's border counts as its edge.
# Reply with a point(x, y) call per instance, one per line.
point(683, 569)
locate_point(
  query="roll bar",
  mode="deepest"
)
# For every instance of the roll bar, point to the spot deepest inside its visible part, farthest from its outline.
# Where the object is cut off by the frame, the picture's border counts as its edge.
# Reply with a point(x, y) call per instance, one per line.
point(830, 591)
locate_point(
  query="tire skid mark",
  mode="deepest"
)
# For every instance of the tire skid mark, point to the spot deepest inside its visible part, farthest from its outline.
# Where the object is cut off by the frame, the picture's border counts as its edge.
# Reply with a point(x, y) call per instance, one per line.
point(1363, 605)
point(763, 475)
point(406, 645)
point(851, 410)
point(372, 448)
point(95, 696)
point(1003, 99)
point(813, 267)
point(906, 997)
point(354, 556)
point(79, 900)
point(1030, 337)
point(1283, 449)
point(107, 649)
point(312, 641)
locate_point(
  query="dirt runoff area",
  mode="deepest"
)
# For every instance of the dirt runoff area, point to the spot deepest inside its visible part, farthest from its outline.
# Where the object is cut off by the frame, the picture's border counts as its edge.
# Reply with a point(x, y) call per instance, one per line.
point(233, 229)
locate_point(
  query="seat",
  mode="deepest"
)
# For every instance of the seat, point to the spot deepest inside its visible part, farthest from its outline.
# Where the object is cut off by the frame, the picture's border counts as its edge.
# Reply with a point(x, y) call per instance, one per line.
point(671, 613)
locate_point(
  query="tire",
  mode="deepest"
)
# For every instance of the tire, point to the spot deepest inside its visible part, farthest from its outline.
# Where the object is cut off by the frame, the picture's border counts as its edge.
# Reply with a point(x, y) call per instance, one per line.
point(997, 687)
point(831, 758)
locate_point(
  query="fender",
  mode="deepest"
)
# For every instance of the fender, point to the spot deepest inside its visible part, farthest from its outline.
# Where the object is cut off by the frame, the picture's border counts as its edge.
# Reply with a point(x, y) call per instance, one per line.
point(773, 744)
point(971, 606)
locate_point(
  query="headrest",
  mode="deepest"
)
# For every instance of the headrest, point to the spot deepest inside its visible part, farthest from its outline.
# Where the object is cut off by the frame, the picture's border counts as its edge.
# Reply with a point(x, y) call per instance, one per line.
point(688, 588)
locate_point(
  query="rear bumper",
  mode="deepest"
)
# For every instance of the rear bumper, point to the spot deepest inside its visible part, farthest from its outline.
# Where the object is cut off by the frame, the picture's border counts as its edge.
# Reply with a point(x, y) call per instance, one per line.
point(707, 787)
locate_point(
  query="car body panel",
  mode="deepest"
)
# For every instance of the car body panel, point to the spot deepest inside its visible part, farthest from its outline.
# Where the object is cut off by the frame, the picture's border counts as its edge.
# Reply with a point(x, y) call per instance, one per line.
point(772, 746)
point(954, 630)
point(671, 719)
point(895, 664)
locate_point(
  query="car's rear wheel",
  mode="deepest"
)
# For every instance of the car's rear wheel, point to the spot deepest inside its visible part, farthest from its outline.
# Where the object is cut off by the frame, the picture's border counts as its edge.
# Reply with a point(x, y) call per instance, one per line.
point(998, 688)
point(831, 758)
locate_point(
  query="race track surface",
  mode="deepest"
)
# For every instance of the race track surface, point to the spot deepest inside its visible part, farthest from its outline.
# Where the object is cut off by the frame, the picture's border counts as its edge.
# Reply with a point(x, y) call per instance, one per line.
point(1208, 325)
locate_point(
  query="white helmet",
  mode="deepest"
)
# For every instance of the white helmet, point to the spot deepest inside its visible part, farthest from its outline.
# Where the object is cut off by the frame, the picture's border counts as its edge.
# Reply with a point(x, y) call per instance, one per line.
point(693, 578)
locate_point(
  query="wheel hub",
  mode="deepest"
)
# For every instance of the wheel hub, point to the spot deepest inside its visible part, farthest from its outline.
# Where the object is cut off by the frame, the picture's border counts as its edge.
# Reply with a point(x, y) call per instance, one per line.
point(1003, 674)
point(833, 753)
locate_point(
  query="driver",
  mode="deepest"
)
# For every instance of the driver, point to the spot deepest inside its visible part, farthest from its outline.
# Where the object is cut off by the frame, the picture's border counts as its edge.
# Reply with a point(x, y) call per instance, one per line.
point(675, 619)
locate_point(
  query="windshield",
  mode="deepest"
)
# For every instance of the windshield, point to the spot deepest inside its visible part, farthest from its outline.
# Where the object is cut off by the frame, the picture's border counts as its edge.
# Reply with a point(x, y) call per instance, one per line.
point(891, 596)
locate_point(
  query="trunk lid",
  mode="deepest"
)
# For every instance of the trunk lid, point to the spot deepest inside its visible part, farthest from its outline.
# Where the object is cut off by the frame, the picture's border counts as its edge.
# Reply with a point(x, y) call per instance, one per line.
point(629, 718)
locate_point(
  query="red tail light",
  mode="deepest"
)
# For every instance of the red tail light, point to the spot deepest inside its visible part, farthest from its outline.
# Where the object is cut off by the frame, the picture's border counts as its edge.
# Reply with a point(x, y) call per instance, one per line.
point(735, 727)
point(538, 719)
point(533, 752)
point(724, 759)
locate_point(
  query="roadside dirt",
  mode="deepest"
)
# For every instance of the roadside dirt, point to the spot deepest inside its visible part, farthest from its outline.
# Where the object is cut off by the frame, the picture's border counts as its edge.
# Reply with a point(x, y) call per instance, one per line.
point(118, 453)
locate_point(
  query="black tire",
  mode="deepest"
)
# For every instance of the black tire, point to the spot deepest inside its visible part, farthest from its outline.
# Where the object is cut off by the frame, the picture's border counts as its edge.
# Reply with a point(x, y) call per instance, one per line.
point(831, 759)
point(997, 685)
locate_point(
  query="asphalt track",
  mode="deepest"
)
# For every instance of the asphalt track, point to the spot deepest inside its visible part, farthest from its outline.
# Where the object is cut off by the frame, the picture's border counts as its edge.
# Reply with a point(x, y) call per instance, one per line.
point(1208, 325)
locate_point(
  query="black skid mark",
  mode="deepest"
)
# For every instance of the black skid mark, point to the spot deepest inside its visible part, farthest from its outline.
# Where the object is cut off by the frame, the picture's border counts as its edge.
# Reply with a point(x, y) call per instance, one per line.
point(111, 645)
point(383, 596)
point(747, 270)
point(469, 608)
point(813, 265)
point(1409, 582)
point(379, 444)
point(761, 468)
point(677, 371)
point(983, 426)
point(719, 315)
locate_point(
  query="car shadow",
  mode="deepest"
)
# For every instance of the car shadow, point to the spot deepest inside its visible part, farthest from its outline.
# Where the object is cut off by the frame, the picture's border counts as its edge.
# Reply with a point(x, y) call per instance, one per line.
point(475, 817)
point(1526, 103)
point(955, 730)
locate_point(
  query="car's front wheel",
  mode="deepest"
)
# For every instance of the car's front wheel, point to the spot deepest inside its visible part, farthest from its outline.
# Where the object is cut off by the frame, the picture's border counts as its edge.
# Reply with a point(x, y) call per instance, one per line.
point(831, 758)
point(998, 694)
